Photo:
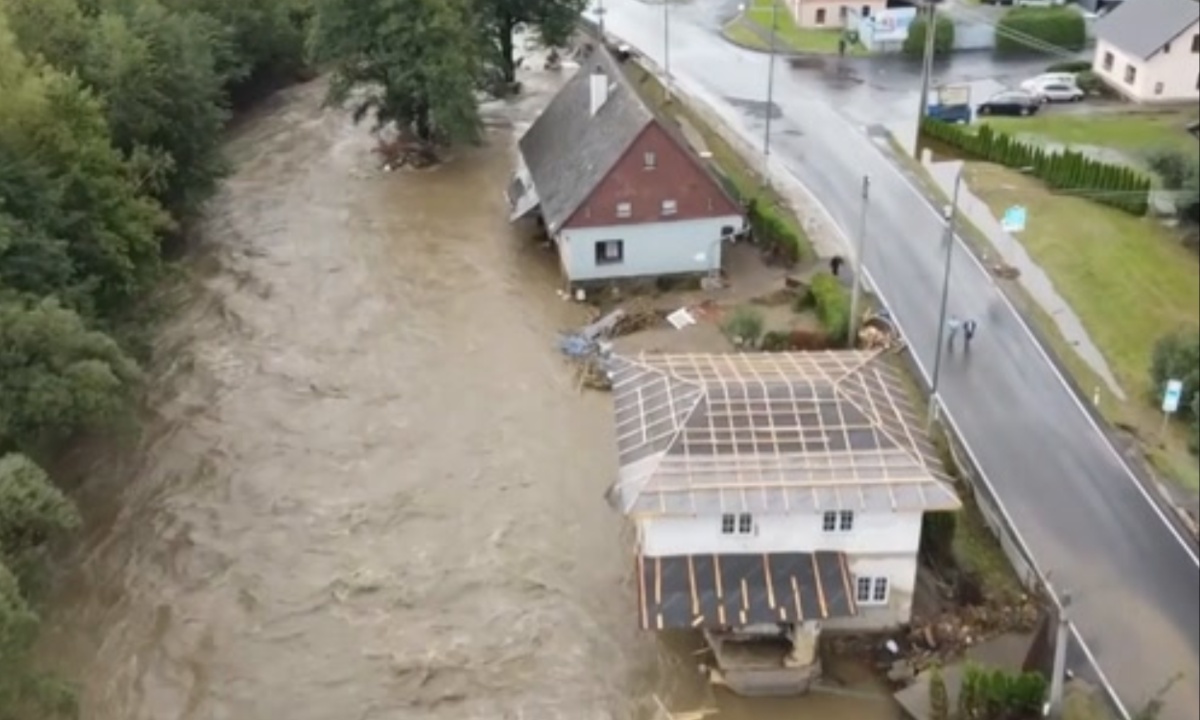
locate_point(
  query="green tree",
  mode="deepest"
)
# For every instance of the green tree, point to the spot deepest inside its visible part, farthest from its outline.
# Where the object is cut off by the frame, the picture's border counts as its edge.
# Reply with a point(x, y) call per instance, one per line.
point(1032, 29)
point(555, 20)
point(943, 38)
point(32, 511)
point(409, 62)
point(55, 374)
point(110, 225)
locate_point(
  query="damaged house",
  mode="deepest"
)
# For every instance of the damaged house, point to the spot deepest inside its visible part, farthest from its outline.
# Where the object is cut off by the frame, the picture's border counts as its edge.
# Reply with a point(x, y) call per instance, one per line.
point(775, 496)
point(619, 192)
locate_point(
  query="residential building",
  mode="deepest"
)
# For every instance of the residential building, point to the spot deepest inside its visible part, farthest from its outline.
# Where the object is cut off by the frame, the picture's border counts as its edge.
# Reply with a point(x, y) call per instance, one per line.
point(1149, 50)
point(775, 495)
point(620, 192)
point(832, 14)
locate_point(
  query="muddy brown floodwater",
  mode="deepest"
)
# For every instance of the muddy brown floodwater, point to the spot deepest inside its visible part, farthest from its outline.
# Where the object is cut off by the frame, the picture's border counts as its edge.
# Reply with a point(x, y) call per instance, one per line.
point(366, 486)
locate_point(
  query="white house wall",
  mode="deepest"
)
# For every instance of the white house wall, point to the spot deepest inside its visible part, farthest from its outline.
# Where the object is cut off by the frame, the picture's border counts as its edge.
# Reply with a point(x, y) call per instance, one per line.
point(1178, 70)
point(901, 572)
point(873, 533)
point(665, 248)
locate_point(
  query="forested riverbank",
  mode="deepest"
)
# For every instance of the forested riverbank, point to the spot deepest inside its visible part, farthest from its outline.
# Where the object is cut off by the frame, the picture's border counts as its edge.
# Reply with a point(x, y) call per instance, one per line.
point(112, 114)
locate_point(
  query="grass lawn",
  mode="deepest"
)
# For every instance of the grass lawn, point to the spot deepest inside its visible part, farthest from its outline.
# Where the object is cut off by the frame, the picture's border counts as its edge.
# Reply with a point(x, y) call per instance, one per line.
point(730, 163)
point(789, 36)
point(739, 33)
point(1128, 279)
point(1132, 132)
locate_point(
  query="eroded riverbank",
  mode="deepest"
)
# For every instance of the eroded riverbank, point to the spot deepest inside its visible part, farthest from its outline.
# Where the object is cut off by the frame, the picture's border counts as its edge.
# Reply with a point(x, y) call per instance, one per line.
point(366, 486)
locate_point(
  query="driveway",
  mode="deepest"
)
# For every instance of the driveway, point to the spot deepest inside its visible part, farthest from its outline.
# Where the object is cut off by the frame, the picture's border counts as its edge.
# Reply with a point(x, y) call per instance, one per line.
point(1089, 524)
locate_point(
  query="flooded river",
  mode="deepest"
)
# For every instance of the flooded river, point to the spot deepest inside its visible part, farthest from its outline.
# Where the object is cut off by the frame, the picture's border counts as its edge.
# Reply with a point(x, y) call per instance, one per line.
point(366, 486)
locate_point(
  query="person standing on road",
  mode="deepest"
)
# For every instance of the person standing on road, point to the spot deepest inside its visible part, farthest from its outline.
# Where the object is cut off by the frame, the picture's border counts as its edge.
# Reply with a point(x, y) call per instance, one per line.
point(952, 326)
point(969, 328)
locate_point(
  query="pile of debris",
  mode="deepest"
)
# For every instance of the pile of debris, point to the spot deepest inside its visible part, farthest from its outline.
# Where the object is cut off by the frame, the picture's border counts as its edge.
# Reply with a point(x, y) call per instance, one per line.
point(879, 333)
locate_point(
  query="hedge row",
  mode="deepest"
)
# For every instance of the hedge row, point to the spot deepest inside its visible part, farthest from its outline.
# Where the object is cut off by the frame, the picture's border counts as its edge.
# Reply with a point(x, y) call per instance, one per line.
point(1069, 171)
point(943, 37)
point(1032, 29)
point(832, 304)
point(772, 231)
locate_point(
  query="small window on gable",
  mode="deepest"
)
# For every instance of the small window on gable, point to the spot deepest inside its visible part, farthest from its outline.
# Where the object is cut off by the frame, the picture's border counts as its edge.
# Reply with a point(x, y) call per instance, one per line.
point(1166, 48)
point(669, 207)
point(624, 209)
point(728, 523)
point(1130, 74)
point(649, 160)
point(1108, 61)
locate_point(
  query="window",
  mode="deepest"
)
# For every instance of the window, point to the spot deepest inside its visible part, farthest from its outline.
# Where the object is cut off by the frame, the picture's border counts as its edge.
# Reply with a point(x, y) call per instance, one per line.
point(820, 19)
point(1130, 74)
point(624, 209)
point(1166, 48)
point(1196, 43)
point(728, 231)
point(745, 524)
point(742, 524)
point(837, 521)
point(866, 11)
point(610, 252)
point(1108, 61)
point(843, 11)
point(669, 207)
point(871, 590)
point(1158, 88)
point(649, 161)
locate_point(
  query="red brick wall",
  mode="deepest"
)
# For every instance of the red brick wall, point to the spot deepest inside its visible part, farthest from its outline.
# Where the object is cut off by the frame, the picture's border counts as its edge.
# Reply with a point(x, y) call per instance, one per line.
point(675, 176)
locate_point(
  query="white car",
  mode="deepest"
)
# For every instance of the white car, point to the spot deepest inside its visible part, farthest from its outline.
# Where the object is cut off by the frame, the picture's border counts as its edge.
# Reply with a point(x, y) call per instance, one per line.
point(1056, 91)
point(1032, 84)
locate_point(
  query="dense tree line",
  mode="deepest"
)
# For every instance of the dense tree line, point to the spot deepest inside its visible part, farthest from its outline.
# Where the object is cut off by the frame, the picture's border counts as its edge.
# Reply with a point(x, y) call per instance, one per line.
point(111, 114)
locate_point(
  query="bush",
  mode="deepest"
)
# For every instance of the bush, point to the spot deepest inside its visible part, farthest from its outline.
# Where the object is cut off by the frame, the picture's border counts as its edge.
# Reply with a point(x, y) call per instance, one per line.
point(1176, 357)
point(773, 231)
point(1026, 29)
point(809, 340)
point(775, 341)
point(1070, 66)
point(1067, 171)
point(937, 537)
point(939, 699)
point(745, 326)
point(943, 37)
point(832, 303)
point(1090, 83)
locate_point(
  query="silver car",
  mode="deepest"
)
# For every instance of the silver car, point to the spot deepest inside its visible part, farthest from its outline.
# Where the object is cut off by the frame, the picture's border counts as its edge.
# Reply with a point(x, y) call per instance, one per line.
point(1056, 91)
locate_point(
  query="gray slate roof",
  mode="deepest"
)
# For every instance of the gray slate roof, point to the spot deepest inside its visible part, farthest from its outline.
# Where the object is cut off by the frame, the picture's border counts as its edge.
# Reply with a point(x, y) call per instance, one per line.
point(568, 152)
point(771, 433)
point(1142, 27)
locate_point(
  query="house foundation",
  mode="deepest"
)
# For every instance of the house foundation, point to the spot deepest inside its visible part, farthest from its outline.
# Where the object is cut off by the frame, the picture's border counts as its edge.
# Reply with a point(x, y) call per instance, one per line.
point(766, 660)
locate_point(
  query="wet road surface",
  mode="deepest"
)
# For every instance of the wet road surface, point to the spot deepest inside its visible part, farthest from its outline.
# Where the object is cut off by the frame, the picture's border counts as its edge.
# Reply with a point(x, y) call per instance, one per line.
point(1135, 583)
point(367, 487)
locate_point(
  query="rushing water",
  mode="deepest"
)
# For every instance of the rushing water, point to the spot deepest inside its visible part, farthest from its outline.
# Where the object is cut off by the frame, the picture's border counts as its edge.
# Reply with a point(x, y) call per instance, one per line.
point(366, 486)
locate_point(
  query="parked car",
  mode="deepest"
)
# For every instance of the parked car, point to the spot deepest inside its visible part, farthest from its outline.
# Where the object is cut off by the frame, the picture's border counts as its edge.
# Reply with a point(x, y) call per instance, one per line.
point(1040, 3)
point(1050, 77)
point(1010, 102)
point(1054, 90)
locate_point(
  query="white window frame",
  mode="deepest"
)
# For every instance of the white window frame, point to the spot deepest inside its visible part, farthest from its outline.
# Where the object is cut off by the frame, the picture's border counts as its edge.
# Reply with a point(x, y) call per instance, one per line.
point(737, 524)
point(872, 590)
point(745, 524)
point(728, 523)
point(604, 258)
point(837, 521)
point(1130, 73)
point(670, 207)
point(624, 209)
point(649, 160)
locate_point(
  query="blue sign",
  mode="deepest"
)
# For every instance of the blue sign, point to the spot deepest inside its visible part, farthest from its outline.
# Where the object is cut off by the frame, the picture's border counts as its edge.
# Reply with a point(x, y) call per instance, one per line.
point(1014, 219)
point(1172, 396)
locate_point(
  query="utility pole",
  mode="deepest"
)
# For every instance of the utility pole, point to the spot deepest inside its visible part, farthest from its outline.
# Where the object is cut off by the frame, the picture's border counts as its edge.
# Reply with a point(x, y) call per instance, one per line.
point(948, 241)
point(856, 292)
point(600, 18)
point(1059, 676)
point(770, 95)
point(927, 59)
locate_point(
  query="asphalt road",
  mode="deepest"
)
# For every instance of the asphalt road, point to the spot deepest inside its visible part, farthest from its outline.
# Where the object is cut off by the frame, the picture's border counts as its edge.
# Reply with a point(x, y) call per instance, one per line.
point(1135, 584)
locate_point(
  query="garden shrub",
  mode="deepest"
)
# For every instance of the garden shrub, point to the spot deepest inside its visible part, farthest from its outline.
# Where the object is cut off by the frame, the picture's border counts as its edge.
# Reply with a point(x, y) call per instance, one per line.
point(832, 303)
point(773, 231)
point(745, 326)
point(937, 537)
point(775, 341)
point(1176, 356)
point(1031, 29)
point(809, 340)
point(1067, 171)
point(943, 38)
point(1070, 66)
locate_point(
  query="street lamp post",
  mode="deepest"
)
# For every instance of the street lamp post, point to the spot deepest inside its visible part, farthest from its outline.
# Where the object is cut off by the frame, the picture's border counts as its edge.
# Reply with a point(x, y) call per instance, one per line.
point(927, 58)
point(770, 93)
point(948, 241)
point(856, 292)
